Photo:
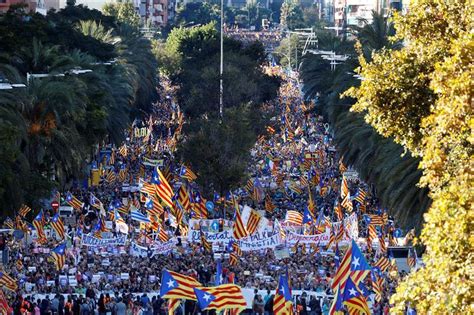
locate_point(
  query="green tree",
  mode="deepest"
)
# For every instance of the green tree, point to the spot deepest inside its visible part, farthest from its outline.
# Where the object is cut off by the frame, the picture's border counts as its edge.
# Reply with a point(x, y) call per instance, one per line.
point(197, 13)
point(377, 159)
point(124, 12)
point(291, 16)
point(421, 96)
point(50, 127)
point(197, 71)
point(220, 150)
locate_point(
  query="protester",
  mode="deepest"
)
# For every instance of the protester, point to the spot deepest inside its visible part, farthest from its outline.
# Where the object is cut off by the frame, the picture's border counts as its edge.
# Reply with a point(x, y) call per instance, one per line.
point(293, 163)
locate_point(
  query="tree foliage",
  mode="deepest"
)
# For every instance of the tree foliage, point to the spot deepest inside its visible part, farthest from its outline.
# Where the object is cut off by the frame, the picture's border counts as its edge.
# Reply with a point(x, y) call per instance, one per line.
point(196, 71)
point(379, 161)
point(421, 96)
point(291, 16)
point(50, 127)
point(218, 149)
point(124, 12)
point(197, 13)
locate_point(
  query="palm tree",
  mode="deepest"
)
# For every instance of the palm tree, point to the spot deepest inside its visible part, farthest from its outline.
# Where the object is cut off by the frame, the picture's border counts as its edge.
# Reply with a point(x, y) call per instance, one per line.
point(98, 31)
point(376, 35)
point(378, 160)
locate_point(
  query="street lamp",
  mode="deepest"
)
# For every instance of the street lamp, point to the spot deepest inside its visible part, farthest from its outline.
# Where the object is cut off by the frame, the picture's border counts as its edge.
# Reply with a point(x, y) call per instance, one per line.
point(221, 68)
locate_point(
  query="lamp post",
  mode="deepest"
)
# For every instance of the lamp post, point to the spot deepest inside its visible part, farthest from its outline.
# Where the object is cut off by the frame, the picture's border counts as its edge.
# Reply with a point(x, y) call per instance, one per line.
point(221, 70)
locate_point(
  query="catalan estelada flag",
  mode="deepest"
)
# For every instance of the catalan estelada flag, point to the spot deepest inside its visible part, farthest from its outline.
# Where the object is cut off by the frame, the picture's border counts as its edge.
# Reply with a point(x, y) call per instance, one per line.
point(38, 223)
point(163, 188)
point(58, 225)
point(360, 197)
point(73, 201)
point(224, 296)
point(353, 265)
point(354, 299)
point(185, 172)
point(282, 303)
point(177, 286)
point(59, 256)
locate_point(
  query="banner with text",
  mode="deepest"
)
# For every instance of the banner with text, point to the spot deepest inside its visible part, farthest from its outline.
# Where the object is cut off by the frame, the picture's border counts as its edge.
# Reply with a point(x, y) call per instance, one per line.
point(88, 240)
point(156, 249)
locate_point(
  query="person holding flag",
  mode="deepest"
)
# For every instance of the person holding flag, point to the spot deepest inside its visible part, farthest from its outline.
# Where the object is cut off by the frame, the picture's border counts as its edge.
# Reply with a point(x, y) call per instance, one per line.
point(282, 303)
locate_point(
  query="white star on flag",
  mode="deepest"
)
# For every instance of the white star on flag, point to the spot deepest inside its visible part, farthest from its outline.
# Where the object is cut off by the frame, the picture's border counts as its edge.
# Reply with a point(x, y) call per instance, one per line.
point(170, 283)
point(356, 262)
point(207, 297)
point(352, 291)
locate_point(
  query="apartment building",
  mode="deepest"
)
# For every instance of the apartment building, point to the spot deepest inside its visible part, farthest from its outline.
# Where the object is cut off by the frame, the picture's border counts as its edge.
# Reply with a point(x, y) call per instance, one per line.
point(30, 5)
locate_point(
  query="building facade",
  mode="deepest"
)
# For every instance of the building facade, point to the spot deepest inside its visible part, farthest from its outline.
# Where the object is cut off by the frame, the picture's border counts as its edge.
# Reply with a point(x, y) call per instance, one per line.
point(358, 12)
point(30, 5)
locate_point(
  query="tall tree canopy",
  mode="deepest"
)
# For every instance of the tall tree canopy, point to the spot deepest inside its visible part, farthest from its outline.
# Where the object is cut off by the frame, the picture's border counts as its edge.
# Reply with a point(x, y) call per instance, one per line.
point(49, 128)
point(218, 149)
point(421, 96)
point(378, 160)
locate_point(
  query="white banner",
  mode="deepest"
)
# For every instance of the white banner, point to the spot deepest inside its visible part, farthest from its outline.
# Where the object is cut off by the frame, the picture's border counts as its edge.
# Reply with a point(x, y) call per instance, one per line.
point(88, 240)
point(195, 236)
point(350, 225)
point(156, 249)
point(321, 239)
point(256, 243)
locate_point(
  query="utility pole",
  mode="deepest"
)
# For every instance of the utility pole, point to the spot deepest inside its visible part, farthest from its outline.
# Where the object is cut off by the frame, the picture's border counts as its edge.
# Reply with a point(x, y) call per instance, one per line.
point(221, 72)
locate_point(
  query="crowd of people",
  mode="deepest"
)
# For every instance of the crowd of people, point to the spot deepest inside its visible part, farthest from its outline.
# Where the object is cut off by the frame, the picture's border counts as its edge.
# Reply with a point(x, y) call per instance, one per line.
point(269, 38)
point(294, 165)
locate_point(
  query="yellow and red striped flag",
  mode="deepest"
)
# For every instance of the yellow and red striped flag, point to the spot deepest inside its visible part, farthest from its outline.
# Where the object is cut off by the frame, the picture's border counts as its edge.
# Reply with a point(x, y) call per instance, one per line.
point(383, 263)
point(224, 296)
point(371, 235)
point(73, 201)
point(294, 217)
point(240, 231)
point(58, 226)
point(173, 305)
point(24, 210)
point(253, 222)
point(205, 243)
point(233, 259)
point(344, 188)
point(162, 187)
point(163, 235)
point(4, 308)
point(269, 206)
point(177, 286)
point(8, 282)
